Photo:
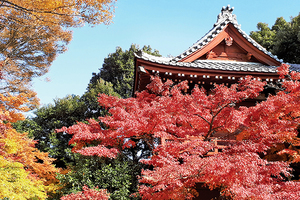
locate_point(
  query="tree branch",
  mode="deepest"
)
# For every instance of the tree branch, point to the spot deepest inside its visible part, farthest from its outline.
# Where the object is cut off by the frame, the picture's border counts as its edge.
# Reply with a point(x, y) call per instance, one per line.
point(31, 11)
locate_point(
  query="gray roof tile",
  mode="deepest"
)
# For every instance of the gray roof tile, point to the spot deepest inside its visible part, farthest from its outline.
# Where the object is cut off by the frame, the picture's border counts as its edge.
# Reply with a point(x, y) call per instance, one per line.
point(295, 67)
point(210, 64)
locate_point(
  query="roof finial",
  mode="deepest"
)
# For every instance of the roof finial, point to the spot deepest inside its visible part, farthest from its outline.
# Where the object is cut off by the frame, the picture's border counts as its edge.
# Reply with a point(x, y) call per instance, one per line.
point(226, 16)
point(227, 8)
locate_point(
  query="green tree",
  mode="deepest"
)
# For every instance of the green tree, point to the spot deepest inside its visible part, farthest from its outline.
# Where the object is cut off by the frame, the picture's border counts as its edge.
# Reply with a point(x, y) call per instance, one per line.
point(283, 39)
point(118, 176)
point(287, 44)
point(264, 36)
point(65, 111)
point(90, 97)
point(118, 68)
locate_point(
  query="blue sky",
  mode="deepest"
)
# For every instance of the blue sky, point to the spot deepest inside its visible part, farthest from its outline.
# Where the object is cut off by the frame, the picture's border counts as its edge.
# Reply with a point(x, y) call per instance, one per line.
point(170, 26)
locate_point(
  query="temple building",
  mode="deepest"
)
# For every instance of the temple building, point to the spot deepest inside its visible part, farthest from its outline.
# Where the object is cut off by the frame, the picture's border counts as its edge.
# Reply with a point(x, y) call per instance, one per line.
point(224, 55)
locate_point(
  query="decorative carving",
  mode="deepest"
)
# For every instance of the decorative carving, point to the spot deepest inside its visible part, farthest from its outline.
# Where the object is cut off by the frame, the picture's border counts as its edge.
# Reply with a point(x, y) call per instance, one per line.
point(211, 55)
point(228, 41)
point(226, 14)
point(249, 55)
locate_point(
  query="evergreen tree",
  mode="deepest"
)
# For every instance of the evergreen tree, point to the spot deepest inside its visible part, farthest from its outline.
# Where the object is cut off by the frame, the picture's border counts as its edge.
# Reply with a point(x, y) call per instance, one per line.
point(118, 68)
point(283, 39)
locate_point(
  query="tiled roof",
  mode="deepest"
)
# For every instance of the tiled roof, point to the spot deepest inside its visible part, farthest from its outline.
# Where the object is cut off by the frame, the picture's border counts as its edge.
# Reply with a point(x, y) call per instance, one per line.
point(210, 64)
point(224, 18)
point(295, 67)
point(235, 66)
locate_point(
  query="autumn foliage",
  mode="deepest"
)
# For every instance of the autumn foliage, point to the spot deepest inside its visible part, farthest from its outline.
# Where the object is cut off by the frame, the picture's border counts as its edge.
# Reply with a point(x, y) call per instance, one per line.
point(25, 171)
point(191, 128)
point(34, 32)
point(87, 194)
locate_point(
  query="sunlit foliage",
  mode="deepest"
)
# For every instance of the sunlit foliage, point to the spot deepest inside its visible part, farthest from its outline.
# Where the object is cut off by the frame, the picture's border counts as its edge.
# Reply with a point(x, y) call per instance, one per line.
point(189, 127)
point(25, 171)
point(34, 32)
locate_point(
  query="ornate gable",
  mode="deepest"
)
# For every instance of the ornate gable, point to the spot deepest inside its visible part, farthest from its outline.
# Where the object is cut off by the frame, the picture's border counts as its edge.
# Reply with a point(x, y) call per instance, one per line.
point(226, 41)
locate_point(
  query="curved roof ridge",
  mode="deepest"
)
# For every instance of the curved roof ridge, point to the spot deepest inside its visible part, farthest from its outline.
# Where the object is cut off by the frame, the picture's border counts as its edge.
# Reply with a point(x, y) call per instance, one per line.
point(211, 34)
point(224, 18)
point(146, 56)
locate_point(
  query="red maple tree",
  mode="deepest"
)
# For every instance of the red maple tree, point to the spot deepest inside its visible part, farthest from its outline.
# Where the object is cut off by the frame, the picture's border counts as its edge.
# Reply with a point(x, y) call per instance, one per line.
point(87, 194)
point(191, 126)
